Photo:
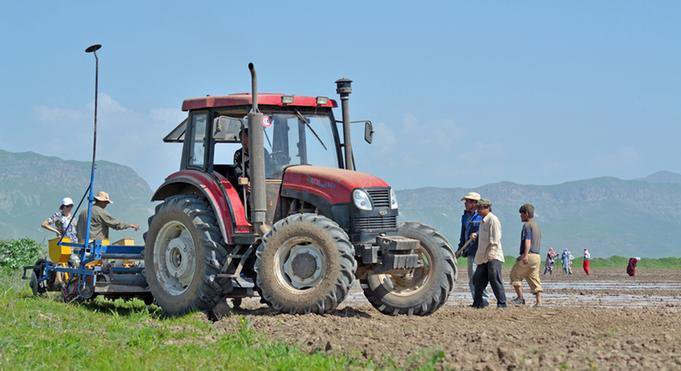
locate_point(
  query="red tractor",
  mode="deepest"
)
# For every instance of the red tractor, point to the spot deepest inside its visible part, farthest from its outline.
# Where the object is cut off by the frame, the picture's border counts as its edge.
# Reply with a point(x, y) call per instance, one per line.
point(289, 219)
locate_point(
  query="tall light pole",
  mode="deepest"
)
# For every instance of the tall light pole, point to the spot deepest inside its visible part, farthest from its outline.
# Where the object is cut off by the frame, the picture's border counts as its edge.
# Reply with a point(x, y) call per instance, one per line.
point(92, 49)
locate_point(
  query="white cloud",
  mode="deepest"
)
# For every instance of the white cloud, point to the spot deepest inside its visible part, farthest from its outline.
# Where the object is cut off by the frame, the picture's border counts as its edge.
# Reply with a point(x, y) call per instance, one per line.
point(58, 114)
point(124, 136)
point(109, 105)
point(167, 115)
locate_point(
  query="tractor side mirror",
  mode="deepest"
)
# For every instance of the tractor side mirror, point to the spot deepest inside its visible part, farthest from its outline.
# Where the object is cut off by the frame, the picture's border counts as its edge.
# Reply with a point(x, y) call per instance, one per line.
point(368, 132)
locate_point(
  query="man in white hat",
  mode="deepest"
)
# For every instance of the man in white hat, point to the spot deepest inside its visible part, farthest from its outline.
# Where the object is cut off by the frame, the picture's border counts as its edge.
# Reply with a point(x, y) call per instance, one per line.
point(100, 220)
point(470, 223)
point(61, 222)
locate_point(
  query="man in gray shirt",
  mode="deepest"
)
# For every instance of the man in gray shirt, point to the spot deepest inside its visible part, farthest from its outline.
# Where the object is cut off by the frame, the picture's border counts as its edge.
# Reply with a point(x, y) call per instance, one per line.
point(528, 263)
point(100, 220)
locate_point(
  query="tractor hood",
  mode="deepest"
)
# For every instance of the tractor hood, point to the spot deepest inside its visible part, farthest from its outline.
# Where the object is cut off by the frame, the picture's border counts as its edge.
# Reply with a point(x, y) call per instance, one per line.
point(334, 185)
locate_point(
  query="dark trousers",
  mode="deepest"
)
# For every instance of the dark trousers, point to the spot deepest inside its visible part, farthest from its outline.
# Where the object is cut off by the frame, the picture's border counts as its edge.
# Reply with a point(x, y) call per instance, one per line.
point(489, 273)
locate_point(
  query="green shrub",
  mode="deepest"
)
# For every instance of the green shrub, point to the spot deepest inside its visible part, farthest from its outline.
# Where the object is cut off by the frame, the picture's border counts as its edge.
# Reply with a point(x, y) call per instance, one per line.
point(14, 254)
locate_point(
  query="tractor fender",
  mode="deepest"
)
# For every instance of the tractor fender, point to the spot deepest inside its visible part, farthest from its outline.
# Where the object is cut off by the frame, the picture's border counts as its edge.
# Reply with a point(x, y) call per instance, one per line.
point(221, 195)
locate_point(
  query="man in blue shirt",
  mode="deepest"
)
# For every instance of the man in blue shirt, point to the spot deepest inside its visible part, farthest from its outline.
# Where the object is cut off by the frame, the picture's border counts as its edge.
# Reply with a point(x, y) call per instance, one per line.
point(470, 222)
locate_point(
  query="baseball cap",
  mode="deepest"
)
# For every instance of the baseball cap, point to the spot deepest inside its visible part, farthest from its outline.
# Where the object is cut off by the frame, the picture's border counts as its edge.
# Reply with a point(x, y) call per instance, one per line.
point(66, 201)
point(471, 196)
point(484, 202)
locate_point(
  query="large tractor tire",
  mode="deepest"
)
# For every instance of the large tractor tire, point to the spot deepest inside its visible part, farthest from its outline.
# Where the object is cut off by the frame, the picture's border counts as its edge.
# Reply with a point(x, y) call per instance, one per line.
point(420, 291)
point(305, 264)
point(183, 254)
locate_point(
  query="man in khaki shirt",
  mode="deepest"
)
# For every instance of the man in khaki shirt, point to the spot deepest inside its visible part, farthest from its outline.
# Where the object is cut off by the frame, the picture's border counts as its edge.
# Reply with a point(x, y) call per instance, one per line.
point(100, 220)
point(489, 257)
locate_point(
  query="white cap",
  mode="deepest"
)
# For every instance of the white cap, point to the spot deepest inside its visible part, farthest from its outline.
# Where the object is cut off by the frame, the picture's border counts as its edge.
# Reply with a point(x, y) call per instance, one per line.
point(474, 196)
point(66, 201)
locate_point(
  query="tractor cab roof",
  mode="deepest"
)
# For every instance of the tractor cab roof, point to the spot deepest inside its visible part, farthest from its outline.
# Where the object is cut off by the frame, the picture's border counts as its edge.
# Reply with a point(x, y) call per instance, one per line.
point(264, 99)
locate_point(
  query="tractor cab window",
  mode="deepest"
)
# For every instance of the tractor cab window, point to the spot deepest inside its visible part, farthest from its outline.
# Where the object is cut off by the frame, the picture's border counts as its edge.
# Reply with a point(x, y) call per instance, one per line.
point(290, 139)
point(197, 150)
point(295, 139)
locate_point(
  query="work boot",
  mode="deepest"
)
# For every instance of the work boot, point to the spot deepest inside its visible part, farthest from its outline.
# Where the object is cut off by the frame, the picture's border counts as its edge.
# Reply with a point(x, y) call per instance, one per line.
point(518, 301)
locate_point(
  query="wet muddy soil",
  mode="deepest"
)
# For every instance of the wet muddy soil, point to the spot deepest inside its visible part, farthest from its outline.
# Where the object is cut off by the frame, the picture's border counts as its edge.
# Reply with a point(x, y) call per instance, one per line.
point(605, 321)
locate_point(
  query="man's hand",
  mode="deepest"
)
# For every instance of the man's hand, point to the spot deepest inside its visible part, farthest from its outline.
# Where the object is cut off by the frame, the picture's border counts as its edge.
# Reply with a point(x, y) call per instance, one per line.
point(135, 226)
point(523, 258)
point(474, 236)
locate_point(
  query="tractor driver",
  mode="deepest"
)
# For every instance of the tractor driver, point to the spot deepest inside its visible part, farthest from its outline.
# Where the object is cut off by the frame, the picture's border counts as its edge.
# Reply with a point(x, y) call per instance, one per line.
point(242, 158)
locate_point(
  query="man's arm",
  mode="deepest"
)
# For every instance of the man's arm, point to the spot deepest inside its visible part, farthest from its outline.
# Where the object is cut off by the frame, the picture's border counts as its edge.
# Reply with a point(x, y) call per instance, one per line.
point(527, 243)
point(462, 238)
point(108, 220)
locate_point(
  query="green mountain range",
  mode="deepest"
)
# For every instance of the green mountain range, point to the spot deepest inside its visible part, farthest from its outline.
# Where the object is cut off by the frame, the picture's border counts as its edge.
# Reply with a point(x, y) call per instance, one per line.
point(32, 185)
point(610, 216)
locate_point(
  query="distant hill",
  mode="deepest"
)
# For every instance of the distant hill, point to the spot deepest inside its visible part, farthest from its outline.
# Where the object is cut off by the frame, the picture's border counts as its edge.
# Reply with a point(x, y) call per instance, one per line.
point(610, 216)
point(663, 177)
point(31, 186)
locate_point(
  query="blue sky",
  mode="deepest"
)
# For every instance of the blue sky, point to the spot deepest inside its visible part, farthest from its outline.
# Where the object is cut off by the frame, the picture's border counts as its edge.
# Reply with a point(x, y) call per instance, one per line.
point(462, 93)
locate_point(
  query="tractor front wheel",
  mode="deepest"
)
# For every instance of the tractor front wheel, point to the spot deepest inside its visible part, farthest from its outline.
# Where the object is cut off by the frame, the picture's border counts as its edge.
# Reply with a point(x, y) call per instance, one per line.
point(305, 264)
point(183, 254)
point(420, 291)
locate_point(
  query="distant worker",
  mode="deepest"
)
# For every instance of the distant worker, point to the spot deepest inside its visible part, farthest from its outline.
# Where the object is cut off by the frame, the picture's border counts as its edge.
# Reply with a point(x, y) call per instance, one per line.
point(631, 266)
point(528, 263)
point(489, 257)
point(586, 264)
point(100, 220)
point(566, 259)
point(550, 261)
point(470, 223)
point(61, 222)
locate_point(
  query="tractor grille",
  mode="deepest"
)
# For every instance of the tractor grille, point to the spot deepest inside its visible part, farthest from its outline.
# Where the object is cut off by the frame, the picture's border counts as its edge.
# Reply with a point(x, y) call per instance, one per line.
point(380, 197)
point(364, 223)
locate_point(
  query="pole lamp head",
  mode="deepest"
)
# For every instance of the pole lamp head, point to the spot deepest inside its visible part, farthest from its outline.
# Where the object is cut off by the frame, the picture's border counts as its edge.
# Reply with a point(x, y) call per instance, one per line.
point(93, 48)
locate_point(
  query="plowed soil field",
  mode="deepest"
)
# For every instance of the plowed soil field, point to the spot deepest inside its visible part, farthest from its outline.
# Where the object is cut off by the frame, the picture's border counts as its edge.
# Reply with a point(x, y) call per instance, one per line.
point(605, 321)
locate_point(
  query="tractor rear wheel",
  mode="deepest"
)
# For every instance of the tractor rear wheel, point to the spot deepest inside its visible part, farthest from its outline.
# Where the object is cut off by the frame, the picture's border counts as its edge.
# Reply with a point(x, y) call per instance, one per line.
point(305, 264)
point(183, 254)
point(420, 291)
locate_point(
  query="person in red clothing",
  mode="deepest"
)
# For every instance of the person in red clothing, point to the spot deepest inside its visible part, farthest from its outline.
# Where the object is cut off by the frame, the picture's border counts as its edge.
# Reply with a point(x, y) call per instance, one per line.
point(631, 267)
point(587, 262)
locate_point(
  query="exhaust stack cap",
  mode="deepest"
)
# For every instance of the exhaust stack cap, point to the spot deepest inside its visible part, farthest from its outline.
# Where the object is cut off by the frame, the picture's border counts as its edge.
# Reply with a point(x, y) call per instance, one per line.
point(343, 87)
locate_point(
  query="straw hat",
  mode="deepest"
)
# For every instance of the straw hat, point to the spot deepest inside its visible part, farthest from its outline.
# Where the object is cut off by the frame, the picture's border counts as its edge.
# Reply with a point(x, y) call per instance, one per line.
point(103, 197)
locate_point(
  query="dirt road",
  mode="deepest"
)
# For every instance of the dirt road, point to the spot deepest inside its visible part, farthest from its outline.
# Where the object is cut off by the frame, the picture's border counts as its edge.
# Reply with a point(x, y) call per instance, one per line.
point(608, 321)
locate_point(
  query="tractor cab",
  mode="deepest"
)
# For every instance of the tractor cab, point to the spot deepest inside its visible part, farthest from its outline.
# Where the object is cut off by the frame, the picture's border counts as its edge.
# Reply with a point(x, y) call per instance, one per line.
point(298, 131)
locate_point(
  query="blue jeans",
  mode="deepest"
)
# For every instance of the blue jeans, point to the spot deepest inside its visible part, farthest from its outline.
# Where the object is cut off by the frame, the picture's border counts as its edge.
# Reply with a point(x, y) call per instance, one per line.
point(471, 283)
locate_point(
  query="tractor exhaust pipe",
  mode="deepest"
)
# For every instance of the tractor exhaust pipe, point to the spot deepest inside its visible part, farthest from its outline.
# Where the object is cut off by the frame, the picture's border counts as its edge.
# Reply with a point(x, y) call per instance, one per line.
point(344, 88)
point(256, 169)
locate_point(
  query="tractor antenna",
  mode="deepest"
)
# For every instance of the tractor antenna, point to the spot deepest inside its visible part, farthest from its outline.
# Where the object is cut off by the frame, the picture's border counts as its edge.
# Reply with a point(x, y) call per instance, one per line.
point(93, 49)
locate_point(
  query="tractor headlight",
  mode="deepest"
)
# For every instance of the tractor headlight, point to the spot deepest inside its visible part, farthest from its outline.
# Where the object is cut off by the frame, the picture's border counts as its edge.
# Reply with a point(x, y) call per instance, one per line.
point(393, 199)
point(362, 200)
